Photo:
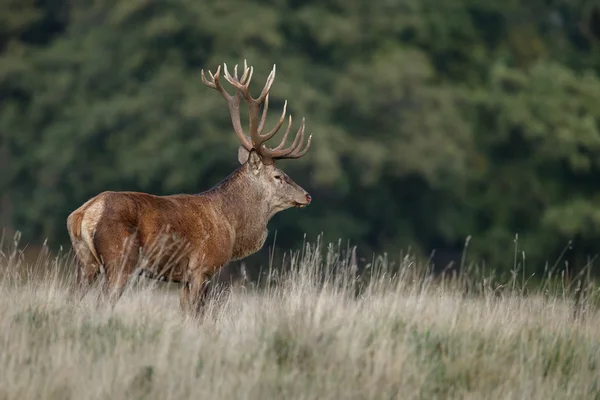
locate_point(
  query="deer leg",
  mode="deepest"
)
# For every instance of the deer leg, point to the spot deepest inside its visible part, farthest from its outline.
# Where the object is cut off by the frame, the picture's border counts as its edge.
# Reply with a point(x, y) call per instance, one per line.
point(120, 264)
point(193, 294)
point(86, 270)
point(114, 286)
point(184, 296)
point(85, 276)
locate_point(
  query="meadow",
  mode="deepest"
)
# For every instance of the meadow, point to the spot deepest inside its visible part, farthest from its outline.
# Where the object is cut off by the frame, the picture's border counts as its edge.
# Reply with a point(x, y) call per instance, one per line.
point(313, 328)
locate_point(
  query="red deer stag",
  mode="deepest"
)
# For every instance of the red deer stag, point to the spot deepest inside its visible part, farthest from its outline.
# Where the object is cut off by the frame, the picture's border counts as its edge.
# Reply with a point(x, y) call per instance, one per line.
point(186, 238)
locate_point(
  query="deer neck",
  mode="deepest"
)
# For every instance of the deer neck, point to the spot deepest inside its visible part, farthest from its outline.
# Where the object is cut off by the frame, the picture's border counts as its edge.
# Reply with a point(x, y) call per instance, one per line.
point(246, 202)
point(246, 207)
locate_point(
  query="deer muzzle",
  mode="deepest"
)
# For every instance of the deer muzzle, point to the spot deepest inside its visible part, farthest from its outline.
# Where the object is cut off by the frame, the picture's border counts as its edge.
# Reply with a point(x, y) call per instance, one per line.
point(305, 203)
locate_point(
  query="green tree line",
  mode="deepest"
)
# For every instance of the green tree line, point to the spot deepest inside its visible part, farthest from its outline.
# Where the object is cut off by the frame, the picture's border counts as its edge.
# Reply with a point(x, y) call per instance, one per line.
point(432, 120)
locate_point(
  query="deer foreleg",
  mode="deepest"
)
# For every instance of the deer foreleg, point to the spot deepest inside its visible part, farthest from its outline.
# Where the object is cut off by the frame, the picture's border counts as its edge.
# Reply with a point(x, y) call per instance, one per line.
point(193, 294)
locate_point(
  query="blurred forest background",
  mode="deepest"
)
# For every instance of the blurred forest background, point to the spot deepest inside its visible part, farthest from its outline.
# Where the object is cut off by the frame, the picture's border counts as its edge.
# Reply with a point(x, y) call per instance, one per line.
point(432, 120)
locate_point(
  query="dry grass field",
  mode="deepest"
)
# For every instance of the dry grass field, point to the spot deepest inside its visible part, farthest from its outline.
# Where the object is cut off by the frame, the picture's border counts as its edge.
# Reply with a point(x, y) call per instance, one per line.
point(314, 332)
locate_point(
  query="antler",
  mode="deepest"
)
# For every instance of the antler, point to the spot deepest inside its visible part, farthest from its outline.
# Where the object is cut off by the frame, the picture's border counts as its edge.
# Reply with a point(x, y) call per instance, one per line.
point(257, 138)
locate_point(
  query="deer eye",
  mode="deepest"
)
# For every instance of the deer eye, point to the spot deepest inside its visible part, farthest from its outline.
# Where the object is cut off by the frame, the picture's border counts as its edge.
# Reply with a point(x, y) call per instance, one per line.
point(278, 177)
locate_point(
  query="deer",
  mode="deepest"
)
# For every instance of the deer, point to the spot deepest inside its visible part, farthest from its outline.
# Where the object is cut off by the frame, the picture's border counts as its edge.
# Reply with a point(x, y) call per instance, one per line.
point(187, 238)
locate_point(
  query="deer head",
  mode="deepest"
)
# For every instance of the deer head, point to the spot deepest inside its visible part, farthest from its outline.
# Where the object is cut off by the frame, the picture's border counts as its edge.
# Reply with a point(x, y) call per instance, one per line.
point(259, 160)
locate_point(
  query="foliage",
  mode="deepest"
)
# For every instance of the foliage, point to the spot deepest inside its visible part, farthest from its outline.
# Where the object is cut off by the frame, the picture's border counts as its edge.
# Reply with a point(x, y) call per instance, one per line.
point(433, 120)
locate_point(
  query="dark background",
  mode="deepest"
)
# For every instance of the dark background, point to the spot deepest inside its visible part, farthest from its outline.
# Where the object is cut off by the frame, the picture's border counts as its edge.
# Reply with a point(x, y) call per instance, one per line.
point(433, 120)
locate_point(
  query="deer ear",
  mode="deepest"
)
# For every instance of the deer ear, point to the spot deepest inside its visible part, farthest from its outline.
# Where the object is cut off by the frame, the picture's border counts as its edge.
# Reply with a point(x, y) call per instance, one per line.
point(243, 154)
point(254, 161)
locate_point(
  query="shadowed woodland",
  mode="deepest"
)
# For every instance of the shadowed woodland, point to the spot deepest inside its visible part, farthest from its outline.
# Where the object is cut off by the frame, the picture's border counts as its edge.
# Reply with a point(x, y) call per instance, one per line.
point(433, 121)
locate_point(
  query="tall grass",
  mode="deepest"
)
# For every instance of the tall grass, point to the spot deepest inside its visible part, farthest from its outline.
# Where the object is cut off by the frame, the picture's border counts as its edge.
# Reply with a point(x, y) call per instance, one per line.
point(315, 329)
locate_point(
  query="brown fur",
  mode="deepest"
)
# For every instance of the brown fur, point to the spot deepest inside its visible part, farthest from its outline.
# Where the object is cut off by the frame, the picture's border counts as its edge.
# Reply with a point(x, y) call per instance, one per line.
point(74, 223)
point(181, 238)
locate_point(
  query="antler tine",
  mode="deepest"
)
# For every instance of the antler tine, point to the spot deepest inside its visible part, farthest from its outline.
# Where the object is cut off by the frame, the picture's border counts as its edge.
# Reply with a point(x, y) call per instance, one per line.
point(206, 82)
point(303, 152)
point(277, 126)
point(242, 84)
point(233, 102)
point(215, 84)
point(297, 140)
point(287, 132)
point(245, 74)
point(297, 153)
point(294, 150)
point(246, 85)
point(263, 117)
point(243, 88)
point(267, 88)
point(256, 137)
